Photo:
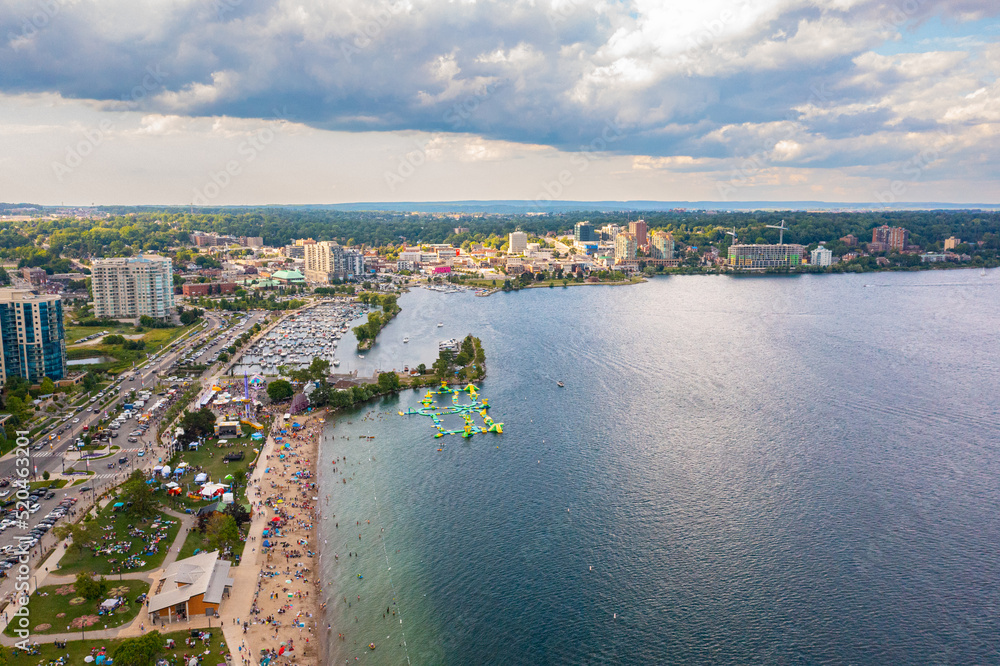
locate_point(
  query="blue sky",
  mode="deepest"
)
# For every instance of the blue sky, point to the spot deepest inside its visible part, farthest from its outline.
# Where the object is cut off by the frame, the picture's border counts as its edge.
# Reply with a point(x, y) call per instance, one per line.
point(254, 101)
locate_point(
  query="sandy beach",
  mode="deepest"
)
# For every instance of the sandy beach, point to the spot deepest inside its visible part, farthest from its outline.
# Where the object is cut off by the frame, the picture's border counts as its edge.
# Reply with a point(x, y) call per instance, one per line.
point(283, 625)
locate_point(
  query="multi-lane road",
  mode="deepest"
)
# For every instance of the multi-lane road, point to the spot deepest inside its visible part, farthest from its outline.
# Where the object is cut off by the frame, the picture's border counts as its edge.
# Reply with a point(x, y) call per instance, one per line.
point(52, 456)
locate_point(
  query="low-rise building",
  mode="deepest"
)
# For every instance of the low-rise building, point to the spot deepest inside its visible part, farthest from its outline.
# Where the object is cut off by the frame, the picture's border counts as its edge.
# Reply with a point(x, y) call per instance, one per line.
point(191, 587)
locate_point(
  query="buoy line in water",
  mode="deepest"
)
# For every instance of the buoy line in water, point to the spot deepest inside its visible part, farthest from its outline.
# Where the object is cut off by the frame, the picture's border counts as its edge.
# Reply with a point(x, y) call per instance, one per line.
point(385, 551)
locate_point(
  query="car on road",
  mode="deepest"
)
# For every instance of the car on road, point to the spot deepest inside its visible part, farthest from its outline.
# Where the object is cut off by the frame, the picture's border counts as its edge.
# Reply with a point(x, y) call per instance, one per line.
point(36, 447)
point(133, 440)
point(85, 489)
point(122, 460)
point(141, 453)
point(4, 493)
point(49, 495)
point(76, 420)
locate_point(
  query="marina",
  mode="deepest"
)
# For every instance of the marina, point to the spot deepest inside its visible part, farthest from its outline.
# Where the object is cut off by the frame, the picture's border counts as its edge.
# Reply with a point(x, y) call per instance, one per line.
point(297, 340)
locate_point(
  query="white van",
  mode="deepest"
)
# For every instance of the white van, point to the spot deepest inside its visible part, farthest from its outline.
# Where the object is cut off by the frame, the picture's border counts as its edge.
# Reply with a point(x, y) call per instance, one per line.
point(287, 416)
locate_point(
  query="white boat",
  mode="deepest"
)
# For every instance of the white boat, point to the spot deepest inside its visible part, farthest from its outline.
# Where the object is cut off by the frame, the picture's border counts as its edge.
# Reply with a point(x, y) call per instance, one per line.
point(336, 362)
point(361, 355)
point(406, 340)
point(440, 324)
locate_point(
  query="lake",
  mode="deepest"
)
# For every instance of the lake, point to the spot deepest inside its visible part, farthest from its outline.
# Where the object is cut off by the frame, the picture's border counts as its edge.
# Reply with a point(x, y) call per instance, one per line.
point(738, 470)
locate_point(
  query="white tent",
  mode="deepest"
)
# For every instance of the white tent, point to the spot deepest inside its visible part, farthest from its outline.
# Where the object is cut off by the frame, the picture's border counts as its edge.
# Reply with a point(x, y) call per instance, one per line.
point(210, 489)
point(165, 471)
point(201, 478)
point(173, 484)
point(227, 498)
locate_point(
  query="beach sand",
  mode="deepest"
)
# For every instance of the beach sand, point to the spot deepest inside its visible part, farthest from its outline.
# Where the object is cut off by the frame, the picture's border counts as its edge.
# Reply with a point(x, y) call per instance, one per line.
point(285, 619)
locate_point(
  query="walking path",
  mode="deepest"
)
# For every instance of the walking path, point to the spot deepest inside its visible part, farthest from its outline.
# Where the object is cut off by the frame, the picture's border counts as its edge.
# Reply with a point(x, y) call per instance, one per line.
point(134, 628)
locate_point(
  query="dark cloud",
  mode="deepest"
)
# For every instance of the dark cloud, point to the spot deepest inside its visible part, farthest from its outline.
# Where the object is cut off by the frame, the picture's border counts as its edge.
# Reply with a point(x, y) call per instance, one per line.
point(522, 72)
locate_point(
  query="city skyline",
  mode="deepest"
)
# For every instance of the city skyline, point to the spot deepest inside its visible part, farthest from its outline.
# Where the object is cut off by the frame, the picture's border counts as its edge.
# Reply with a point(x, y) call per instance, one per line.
point(243, 103)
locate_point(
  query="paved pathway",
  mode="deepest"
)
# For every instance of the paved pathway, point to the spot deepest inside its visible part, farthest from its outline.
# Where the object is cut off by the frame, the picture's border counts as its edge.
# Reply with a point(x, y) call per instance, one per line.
point(135, 627)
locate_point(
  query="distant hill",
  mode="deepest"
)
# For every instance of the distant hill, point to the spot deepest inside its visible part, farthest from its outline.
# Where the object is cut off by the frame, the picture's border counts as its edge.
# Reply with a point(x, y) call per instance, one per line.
point(524, 206)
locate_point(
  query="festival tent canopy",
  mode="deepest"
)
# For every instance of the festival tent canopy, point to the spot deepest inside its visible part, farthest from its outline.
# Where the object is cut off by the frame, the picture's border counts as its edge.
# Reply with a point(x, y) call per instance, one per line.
point(201, 478)
point(212, 489)
point(173, 484)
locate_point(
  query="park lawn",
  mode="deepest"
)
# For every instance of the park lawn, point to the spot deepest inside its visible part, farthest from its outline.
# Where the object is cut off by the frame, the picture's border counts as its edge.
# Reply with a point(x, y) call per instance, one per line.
point(78, 650)
point(45, 607)
point(210, 459)
point(81, 481)
point(75, 562)
point(197, 541)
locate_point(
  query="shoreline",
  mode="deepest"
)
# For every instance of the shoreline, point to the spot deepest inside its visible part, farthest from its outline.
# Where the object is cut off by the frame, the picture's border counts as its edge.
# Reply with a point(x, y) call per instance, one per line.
point(282, 610)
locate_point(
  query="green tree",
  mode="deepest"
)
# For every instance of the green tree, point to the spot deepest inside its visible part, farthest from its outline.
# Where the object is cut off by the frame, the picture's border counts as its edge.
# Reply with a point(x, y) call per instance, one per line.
point(319, 369)
point(222, 532)
point(89, 587)
point(19, 408)
point(238, 513)
point(138, 496)
point(198, 424)
point(46, 475)
point(48, 386)
point(77, 535)
point(139, 651)
point(279, 390)
point(388, 381)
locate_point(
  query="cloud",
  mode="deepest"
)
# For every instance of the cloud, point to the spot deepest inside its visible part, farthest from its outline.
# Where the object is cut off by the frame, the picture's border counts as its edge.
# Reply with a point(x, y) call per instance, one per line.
point(799, 81)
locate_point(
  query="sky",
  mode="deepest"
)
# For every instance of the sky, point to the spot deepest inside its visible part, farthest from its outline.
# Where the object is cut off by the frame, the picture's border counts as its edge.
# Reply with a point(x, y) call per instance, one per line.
point(248, 102)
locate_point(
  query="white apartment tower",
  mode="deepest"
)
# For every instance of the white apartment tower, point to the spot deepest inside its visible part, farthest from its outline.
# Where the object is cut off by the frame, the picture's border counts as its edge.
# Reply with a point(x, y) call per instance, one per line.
point(821, 257)
point(517, 242)
point(132, 287)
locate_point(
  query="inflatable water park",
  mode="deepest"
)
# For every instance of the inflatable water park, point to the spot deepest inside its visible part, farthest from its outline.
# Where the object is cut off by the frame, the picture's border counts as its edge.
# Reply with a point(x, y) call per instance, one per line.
point(466, 411)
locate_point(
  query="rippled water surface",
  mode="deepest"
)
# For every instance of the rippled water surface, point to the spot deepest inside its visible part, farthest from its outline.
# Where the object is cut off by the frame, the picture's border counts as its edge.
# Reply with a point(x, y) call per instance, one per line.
point(756, 470)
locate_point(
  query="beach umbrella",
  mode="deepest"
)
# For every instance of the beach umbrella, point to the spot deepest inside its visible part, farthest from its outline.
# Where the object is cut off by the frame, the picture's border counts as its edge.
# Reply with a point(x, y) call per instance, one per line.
point(88, 659)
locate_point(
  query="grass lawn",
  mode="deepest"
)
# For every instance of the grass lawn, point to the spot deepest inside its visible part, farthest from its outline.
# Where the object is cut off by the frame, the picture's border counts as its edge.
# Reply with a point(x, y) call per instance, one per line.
point(74, 333)
point(81, 481)
point(132, 537)
point(51, 483)
point(197, 541)
point(210, 459)
point(79, 649)
point(56, 599)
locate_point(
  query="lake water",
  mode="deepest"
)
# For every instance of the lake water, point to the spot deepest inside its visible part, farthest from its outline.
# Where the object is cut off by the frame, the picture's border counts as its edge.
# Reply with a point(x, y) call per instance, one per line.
point(738, 470)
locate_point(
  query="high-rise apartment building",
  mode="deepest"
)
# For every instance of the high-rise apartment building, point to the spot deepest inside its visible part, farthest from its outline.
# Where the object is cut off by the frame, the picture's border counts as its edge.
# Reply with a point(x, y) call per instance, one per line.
point(886, 238)
point(324, 262)
point(583, 232)
point(625, 247)
point(638, 229)
point(34, 340)
point(951, 243)
point(763, 257)
point(517, 242)
point(609, 232)
point(354, 263)
point(131, 287)
point(821, 257)
point(661, 245)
